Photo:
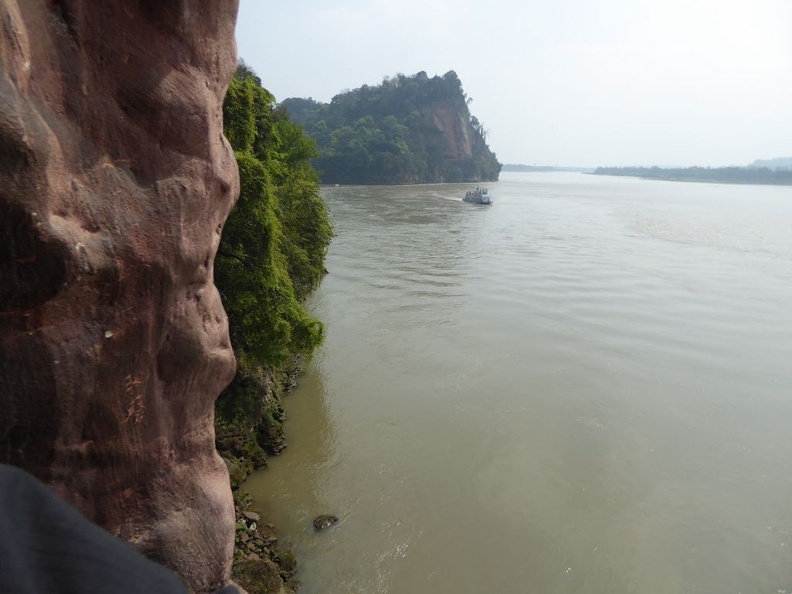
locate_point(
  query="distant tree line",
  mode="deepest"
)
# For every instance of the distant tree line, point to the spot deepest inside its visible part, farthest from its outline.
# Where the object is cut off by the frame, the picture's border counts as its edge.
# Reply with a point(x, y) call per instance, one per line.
point(387, 133)
point(519, 167)
point(776, 163)
point(727, 175)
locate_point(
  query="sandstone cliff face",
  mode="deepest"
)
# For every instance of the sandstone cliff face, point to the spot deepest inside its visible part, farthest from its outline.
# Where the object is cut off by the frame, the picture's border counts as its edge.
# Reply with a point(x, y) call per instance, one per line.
point(115, 180)
point(454, 129)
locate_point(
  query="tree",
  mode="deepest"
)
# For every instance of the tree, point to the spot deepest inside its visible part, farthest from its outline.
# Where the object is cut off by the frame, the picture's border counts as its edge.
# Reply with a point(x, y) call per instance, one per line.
point(272, 251)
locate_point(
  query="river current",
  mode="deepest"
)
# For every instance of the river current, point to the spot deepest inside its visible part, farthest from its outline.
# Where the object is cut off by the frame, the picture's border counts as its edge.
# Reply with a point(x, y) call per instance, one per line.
point(586, 387)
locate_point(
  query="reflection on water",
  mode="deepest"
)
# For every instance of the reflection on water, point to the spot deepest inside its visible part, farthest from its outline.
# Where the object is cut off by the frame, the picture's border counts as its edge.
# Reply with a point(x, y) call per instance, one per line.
point(583, 388)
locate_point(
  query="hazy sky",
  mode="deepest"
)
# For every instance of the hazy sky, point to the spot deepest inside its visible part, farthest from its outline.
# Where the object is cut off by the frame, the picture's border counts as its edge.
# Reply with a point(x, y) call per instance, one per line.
point(569, 82)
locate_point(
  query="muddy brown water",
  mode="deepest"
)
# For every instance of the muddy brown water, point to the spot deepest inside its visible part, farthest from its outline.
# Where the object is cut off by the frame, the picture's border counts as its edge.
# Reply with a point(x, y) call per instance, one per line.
point(586, 388)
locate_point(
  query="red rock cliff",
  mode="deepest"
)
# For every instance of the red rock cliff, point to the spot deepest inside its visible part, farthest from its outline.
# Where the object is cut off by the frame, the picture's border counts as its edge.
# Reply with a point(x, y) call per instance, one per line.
point(454, 129)
point(115, 180)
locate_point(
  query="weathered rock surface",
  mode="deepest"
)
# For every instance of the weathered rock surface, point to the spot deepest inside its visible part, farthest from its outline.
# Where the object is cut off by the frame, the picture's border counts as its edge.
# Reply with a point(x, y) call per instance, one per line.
point(454, 129)
point(260, 564)
point(115, 180)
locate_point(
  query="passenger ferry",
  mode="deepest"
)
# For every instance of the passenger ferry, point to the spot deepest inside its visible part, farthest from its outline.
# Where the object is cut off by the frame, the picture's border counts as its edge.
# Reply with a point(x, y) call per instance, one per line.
point(478, 196)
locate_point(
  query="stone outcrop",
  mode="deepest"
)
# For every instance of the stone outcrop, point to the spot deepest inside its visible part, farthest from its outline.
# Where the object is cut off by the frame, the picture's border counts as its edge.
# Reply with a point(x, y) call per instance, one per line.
point(115, 181)
point(454, 129)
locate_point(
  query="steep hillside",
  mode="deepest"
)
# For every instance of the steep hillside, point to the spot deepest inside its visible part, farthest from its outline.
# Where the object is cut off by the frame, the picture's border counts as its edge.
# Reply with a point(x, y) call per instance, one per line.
point(409, 129)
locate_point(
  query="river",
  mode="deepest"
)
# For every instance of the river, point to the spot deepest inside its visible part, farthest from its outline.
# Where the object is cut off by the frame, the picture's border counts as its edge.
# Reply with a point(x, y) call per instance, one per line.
point(586, 387)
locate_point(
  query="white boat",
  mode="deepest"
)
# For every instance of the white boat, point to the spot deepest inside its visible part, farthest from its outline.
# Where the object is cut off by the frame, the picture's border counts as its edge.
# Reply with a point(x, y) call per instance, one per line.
point(478, 196)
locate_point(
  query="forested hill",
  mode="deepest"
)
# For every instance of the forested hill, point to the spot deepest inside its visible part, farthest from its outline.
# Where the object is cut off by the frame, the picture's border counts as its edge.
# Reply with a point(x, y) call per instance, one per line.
point(409, 129)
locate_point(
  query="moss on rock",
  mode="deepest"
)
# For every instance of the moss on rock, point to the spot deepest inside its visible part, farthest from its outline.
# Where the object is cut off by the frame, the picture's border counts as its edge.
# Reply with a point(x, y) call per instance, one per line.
point(249, 426)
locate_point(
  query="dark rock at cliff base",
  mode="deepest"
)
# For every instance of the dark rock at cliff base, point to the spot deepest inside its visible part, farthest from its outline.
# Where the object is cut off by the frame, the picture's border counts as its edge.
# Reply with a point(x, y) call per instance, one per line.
point(115, 181)
point(251, 516)
point(324, 522)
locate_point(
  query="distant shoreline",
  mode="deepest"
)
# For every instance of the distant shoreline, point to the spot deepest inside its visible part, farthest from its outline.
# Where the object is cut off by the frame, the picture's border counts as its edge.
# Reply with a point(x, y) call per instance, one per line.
point(722, 175)
point(544, 168)
point(762, 176)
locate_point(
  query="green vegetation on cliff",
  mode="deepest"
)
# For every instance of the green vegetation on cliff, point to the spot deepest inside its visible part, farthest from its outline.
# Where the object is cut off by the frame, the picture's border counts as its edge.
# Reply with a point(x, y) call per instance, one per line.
point(409, 129)
point(271, 256)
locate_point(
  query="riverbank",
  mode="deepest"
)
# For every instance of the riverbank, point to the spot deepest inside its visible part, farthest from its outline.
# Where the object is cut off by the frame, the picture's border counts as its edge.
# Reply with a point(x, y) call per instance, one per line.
point(261, 565)
point(245, 440)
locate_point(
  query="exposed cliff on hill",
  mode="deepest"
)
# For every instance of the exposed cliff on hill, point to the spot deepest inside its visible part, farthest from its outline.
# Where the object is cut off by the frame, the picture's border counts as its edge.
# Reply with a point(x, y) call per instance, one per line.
point(454, 128)
point(412, 129)
point(115, 181)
